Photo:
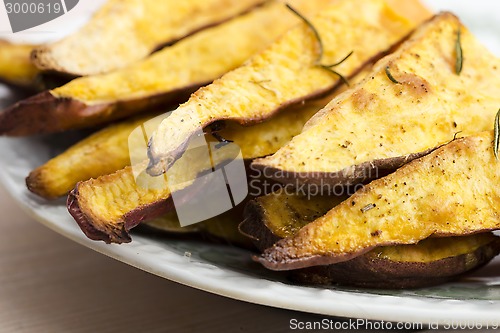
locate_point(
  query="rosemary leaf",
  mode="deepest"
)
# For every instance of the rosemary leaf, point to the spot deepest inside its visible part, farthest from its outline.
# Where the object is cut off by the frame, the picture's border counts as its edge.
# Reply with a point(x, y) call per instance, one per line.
point(321, 47)
point(460, 53)
point(341, 61)
point(313, 28)
point(497, 135)
point(336, 73)
point(389, 75)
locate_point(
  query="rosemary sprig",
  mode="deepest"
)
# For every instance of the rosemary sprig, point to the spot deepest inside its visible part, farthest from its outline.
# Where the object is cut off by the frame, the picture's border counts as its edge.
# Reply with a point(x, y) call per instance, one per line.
point(313, 29)
point(389, 75)
point(321, 47)
point(336, 73)
point(341, 61)
point(496, 135)
point(460, 53)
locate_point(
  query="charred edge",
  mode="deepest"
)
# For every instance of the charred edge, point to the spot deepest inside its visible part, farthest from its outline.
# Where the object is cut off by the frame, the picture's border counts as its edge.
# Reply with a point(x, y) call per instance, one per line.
point(148, 212)
point(267, 259)
point(43, 114)
point(83, 222)
point(368, 271)
point(346, 177)
point(47, 114)
point(35, 184)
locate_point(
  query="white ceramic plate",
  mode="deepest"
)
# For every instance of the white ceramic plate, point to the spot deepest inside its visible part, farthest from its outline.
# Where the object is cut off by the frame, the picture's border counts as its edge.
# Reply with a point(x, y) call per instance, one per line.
point(229, 272)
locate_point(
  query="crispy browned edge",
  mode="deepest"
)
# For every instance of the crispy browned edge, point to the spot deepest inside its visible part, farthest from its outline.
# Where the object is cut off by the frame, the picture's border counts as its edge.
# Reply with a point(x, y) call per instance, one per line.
point(357, 174)
point(369, 271)
point(47, 114)
point(372, 272)
point(160, 164)
point(130, 220)
point(53, 68)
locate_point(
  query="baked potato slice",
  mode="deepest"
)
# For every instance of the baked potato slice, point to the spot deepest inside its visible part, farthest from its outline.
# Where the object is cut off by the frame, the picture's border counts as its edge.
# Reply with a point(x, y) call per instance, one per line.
point(15, 66)
point(166, 76)
point(432, 261)
point(450, 192)
point(379, 125)
point(125, 31)
point(287, 72)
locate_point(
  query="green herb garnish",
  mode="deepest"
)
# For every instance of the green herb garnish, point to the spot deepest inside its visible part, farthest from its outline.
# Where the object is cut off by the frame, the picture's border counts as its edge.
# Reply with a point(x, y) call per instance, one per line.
point(460, 53)
point(321, 47)
point(336, 73)
point(389, 75)
point(341, 61)
point(497, 135)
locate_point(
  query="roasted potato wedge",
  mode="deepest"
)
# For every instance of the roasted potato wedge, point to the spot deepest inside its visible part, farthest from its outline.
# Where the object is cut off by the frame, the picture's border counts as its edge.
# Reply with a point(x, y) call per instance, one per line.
point(167, 76)
point(288, 72)
point(432, 261)
point(125, 31)
point(102, 153)
point(450, 192)
point(15, 66)
point(380, 125)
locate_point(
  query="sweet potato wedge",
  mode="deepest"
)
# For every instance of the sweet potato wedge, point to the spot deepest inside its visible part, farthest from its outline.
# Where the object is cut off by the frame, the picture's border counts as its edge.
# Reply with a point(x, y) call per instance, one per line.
point(107, 151)
point(450, 192)
point(255, 141)
point(168, 75)
point(125, 31)
point(278, 215)
point(380, 125)
point(432, 261)
point(289, 71)
point(15, 66)
point(108, 215)
point(102, 153)
point(106, 208)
